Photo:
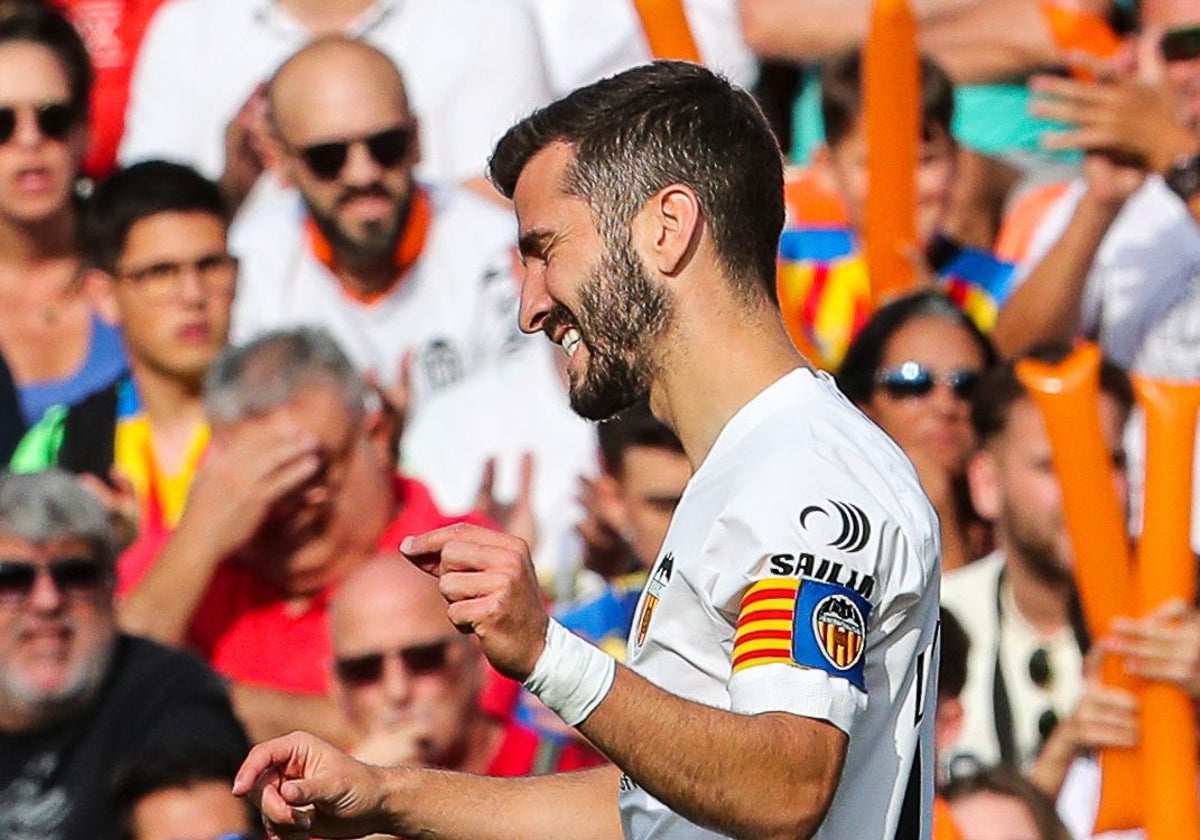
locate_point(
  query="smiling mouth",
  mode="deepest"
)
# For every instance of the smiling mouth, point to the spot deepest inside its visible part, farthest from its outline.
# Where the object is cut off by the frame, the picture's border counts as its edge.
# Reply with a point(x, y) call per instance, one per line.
point(571, 341)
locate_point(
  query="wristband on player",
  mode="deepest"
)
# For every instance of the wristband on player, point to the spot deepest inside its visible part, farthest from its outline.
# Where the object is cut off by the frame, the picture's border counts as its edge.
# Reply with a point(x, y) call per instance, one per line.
point(571, 676)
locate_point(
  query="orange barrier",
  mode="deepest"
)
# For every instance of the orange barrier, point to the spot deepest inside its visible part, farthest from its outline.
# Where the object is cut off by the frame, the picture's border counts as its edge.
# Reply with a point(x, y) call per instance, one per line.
point(1068, 397)
point(891, 96)
point(1167, 571)
point(667, 30)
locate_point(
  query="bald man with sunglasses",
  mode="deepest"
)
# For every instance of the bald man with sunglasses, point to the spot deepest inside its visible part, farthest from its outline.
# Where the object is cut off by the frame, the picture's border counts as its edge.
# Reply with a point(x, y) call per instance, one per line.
point(415, 282)
point(409, 683)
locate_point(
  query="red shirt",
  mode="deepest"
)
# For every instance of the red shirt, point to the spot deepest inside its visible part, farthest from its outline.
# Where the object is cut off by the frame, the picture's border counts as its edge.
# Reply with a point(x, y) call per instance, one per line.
point(248, 633)
point(112, 30)
point(521, 751)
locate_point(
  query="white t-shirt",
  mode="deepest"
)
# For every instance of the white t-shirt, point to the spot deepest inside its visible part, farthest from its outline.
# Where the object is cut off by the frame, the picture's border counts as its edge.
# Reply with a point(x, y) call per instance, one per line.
point(456, 306)
point(971, 593)
point(800, 574)
point(516, 406)
point(586, 41)
point(471, 67)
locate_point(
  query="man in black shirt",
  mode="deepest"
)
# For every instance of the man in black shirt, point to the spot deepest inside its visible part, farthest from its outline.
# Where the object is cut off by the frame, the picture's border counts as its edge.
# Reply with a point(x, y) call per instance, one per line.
point(80, 702)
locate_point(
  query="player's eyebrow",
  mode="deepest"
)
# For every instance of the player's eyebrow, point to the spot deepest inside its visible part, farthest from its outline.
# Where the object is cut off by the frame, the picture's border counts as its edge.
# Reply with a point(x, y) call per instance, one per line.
point(533, 243)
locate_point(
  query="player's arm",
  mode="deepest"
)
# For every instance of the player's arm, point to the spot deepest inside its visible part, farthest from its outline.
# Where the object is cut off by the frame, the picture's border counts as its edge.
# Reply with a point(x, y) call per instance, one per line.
point(770, 775)
point(305, 787)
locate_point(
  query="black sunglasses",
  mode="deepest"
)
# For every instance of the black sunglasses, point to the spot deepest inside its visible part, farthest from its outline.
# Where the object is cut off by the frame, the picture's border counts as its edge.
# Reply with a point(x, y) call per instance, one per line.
point(418, 660)
point(54, 120)
point(1180, 44)
point(913, 379)
point(387, 148)
point(71, 576)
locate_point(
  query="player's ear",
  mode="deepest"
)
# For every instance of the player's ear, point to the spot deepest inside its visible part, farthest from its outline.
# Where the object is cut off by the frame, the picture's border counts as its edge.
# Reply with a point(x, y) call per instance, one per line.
point(667, 229)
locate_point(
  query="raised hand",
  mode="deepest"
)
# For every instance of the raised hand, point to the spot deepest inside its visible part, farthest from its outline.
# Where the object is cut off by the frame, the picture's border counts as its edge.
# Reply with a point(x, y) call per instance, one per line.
point(515, 517)
point(488, 579)
point(306, 788)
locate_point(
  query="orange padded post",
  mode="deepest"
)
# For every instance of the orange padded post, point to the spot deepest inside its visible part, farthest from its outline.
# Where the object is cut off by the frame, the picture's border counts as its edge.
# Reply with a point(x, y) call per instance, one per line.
point(892, 100)
point(1068, 397)
point(1167, 571)
point(667, 31)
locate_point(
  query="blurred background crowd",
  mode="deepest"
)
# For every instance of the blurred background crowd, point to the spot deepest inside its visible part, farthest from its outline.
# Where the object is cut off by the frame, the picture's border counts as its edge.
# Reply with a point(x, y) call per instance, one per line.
point(258, 324)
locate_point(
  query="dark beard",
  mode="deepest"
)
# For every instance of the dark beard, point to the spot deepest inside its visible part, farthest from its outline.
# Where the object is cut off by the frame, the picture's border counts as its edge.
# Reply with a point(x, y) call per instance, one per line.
point(621, 313)
point(381, 237)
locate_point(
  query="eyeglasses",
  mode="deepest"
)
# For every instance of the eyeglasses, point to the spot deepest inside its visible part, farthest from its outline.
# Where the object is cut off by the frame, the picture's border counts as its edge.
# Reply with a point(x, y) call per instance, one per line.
point(164, 280)
point(418, 660)
point(387, 148)
point(54, 120)
point(913, 379)
point(72, 576)
point(1180, 44)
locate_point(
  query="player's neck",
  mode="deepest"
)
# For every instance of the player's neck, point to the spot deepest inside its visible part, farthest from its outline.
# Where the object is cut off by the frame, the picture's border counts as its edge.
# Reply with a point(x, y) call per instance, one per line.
point(1043, 603)
point(713, 366)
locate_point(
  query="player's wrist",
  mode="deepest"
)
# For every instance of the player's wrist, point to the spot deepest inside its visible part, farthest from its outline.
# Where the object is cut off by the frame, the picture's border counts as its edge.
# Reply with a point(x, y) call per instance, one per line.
point(571, 677)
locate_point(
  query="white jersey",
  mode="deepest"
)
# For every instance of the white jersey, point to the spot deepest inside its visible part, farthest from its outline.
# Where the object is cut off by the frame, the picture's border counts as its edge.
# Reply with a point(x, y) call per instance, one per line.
point(456, 307)
point(800, 574)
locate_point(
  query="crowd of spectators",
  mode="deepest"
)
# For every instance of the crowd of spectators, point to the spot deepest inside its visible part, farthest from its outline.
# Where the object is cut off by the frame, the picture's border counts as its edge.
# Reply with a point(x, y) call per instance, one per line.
point(258, 324)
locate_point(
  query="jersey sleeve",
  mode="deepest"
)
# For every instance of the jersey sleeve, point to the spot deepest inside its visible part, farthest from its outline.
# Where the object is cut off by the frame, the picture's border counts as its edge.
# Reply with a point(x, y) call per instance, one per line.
point(802, 593)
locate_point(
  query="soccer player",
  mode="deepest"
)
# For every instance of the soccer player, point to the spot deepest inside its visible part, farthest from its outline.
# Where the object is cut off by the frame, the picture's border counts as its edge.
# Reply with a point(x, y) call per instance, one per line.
point(778, 669)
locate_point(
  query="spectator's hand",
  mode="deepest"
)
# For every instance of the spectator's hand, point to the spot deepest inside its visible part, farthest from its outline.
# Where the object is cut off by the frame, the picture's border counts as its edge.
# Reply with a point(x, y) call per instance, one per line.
point(606, 549)
point(515, 517)
point(305, 787)
point(1131, 119)
point(489, 581)
point(245, 147)
point(242, 475)
point(1105, 717)
point(119, 499)
point(1163, 646)
point(394, 745)
point(396, 399)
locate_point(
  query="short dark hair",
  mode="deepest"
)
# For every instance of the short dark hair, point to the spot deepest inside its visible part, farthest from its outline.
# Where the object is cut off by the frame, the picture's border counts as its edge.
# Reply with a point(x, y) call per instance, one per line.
point(842, 97)
point(635, 426)
point(952, 663)
point(174, 771)
point(1008, 782)
point(37, 23)
point(1000, 389)
point(143, 190)
point(860, 365)
point(660, 124)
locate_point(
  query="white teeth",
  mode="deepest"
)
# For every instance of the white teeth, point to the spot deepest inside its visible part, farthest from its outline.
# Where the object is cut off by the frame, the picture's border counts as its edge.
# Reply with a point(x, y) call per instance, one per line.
point(570, 341)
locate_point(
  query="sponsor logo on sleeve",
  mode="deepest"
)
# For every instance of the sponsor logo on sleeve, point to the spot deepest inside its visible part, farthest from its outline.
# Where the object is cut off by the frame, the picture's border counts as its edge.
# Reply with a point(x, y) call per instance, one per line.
point(853, 529)
point(808, 623)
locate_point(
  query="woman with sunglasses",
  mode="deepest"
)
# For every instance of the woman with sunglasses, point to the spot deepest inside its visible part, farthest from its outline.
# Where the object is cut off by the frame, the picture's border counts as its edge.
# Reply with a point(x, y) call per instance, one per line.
point(50, 337)
point(912, 369)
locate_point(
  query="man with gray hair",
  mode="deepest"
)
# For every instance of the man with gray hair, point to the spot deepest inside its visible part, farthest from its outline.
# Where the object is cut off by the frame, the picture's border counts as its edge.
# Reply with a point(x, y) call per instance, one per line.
point(79, 701)
point(298, 489)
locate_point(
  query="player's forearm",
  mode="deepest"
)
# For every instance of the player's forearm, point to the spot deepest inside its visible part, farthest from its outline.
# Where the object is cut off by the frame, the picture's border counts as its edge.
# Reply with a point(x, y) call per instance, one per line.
point(708, 764)
point(161, 606)
point(1048, 304)
point(449, 806)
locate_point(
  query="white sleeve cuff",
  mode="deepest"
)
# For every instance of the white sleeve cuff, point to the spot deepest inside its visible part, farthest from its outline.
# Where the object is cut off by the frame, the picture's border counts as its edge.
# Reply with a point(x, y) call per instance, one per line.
point(808, 692)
